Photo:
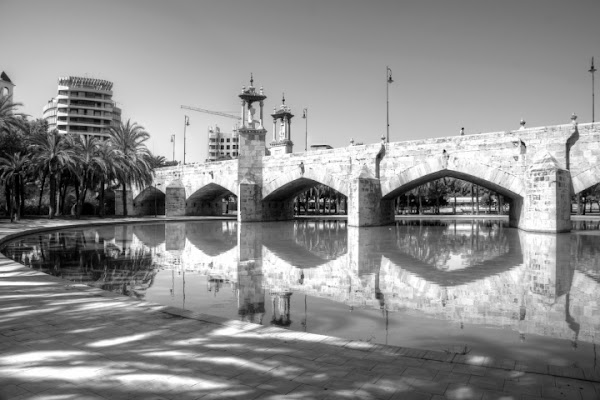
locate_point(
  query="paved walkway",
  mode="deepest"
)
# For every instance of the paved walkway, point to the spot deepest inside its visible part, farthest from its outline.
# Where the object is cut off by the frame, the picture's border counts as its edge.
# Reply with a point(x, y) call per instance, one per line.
point(65, 341)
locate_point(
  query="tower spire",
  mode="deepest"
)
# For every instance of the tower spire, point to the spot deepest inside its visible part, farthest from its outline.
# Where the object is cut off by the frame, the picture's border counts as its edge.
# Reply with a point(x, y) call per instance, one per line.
point(251, 79)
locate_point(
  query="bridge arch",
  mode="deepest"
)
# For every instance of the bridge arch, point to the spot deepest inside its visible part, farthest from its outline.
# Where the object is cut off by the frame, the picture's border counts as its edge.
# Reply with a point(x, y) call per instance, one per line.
point(149, 201)
point(505, 183)
point(586, 179)
point(209, 199)
point(290, 184)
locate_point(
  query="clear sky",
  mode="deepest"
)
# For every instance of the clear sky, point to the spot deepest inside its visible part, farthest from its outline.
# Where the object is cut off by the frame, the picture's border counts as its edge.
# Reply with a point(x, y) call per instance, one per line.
point(481, 64)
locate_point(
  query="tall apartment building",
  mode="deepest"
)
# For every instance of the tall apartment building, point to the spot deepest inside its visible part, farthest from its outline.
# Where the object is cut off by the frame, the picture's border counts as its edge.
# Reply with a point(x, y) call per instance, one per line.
point(222, 145)
point(83, 106)
point(6, 85)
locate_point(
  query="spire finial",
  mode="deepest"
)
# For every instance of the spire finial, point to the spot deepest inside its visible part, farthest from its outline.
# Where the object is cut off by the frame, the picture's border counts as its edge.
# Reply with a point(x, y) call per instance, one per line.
point(251, 79)
point(283, 98)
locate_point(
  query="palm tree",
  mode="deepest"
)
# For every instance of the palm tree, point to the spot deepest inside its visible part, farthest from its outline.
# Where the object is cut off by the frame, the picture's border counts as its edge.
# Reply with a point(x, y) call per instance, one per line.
point(108, 155)
point(51, 152)
point(134, 160)
point(13, 169)
point(90, 167)
point(10, 119)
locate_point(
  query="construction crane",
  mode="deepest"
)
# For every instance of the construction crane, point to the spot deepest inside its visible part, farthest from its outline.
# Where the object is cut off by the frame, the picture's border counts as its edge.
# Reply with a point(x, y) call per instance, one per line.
point(222, 114)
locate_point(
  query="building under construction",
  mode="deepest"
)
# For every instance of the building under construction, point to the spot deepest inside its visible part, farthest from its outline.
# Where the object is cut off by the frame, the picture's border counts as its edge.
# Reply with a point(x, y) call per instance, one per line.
point(222, 145)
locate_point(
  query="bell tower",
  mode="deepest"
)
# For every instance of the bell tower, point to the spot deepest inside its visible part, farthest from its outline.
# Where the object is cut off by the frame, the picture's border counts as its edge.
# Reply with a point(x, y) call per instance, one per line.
point(282, 129)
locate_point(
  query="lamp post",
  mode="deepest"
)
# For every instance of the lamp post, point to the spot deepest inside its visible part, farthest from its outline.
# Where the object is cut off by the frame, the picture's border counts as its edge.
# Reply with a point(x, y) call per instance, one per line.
point(186, 123)
point(592, 70)
point(305, 116)
point(388, 75)
point(173, 141)
point(156, 195)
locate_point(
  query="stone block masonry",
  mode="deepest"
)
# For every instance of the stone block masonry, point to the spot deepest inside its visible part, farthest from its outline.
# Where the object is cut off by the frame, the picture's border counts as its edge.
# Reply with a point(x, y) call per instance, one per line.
point(535, 169)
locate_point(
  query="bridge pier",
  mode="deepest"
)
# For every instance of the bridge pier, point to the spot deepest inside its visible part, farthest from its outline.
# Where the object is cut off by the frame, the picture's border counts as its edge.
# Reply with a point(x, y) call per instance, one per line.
point(175, 199)
point(547, 203)
point(119, 202)
point(365, 204)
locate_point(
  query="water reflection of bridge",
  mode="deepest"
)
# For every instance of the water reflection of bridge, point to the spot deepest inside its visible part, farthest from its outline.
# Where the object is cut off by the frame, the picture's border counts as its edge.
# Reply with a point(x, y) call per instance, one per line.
point(479, 273)
point(474, 273)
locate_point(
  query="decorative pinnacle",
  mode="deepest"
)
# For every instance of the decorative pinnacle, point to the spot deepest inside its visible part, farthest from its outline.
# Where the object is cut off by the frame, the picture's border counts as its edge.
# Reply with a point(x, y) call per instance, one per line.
point(251, 79)
point(522, 123)
point(283, 98)
point(574, 118)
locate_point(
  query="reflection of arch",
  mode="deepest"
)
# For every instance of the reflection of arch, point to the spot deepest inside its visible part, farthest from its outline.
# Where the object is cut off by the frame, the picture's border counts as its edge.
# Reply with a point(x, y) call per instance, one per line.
point(212, 237)
point(586, 179)
point(502, 182)
point(502, 263)
point(307, 243)
point(152, 235)
point(291, 183)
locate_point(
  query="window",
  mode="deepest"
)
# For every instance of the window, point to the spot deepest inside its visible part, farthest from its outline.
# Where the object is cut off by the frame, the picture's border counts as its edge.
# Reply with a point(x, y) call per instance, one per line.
point(222, 140)
point(222, 147)
point(228, 140)
point(228, 147)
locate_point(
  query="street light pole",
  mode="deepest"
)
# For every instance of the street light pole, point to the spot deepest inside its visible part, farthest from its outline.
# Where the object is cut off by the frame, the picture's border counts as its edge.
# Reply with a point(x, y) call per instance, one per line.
point(305, 116)
point(592, 70)
point(388, 76)
point(173, 141)
point(185, 124)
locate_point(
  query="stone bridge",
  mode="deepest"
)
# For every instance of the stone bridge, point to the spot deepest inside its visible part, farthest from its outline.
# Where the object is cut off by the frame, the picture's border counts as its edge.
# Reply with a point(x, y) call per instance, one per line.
point(536, 169)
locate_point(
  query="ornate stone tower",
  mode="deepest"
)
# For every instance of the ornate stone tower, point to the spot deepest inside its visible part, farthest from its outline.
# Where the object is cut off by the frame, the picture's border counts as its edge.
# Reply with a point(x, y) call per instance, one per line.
point(282, 130)
point(251, 152)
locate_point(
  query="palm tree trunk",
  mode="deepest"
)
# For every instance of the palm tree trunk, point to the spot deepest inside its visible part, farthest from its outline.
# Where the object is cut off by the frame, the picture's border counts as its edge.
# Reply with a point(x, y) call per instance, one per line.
point(17, 199)
point(9, 201)
point(22, 202)
point(42, 190)
point(124, 199)
point(77, 201)
point(102, 209)
point(52, 207)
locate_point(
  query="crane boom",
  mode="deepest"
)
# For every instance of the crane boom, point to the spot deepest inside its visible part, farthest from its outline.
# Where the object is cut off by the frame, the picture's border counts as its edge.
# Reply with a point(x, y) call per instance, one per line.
point(202, 110)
